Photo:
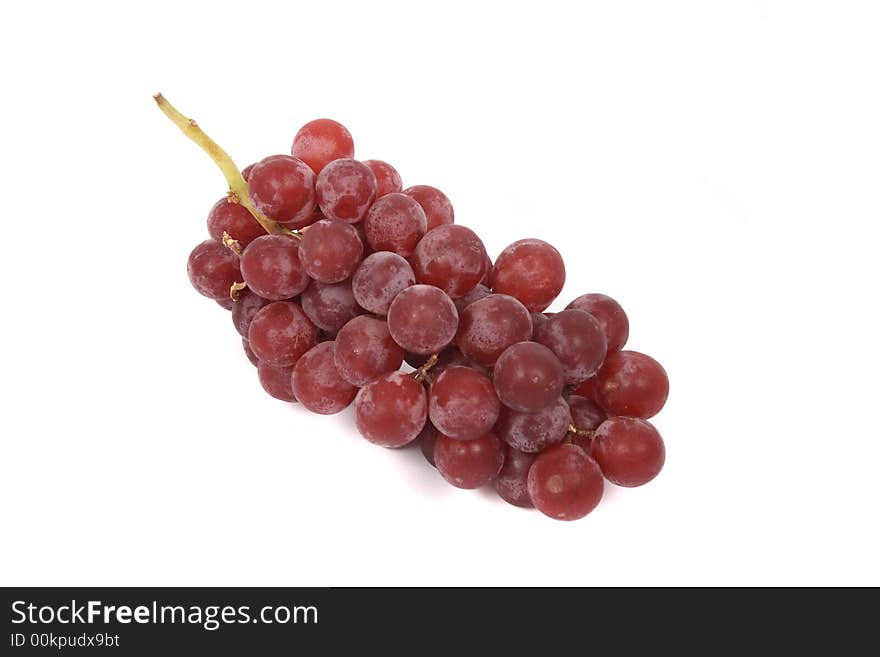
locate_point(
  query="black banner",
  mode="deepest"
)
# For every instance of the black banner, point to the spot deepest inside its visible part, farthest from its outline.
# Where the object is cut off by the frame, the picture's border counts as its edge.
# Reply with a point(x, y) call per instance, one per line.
point(264, 621)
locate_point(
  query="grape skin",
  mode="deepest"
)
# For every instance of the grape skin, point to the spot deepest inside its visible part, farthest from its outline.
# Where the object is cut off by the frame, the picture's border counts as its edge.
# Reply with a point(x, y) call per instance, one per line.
point(450, 257)
point(629, 451)
point(330, 251)
point(528, 377)
point(491, 325)
point(585, 413)
point(462, 403)
point(330, 307)
point(387, 179)
point(282, 188)
point(345, 190)
point(533, 432)
point(538, 320)
point(437, 206)
point(610, 316)
point(631, 383)
point(427, 439)
point(578, 341)
point(244, 308)
point(395, 223)
point(271, 267)
point(391, 410)
point(212, 269)
point(364, 349)
point(235, 220)
point(280, 333)
point(512, 483)
point(379, 279)
point(277, 381)
point(565, 483)
point(530, 270)
point(251, 356)
point(317, 383)
point(586, 389)
point(422, 319)
point(468, 463)
point(479, 292)
point(321, 141)
point(487, 278)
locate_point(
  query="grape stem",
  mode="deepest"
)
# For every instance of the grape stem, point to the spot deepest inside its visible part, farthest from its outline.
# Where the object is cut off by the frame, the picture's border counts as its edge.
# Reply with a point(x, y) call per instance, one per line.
point(231, 243)
point(421, 374)
point(237, 186)
point(234, 289)
point(585, 433)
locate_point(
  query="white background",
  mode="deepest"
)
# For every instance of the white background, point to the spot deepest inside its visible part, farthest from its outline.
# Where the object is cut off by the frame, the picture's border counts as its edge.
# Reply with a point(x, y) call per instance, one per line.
point(712, 165)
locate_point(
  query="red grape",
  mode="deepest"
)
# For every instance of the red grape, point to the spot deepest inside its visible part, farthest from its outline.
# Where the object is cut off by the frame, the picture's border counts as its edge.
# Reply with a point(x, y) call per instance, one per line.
point(331, 306)
point(282, 188)
point(437, 207)
point(226, 302)
point(391, 410)
point(427, 438)
point(246, 172)
point(538, 320)
point(379, 278)
point(212, 269)
point(532, 432)
point(479, 292)
point(586, 415)
point(280, 333)
point(530, 270)
point(631, 383)
point(565, 483)
point(330, 251)
point(365, 350)
point(345, 190)
point(317, 384)
point(487, 277)
point(468, 463)
point(362, 236)
point(321, 141)
point(610, 316)
point(235, 220)
point(462, 403)
point(450, 257)
point(422, 319)
point(249, 352)
point(629, 450)
point(528, 377)
point(244, 309)
point(577, 340)
point(395, 223)
point(490, 325)
point(272, 269)
point(586, 389)
point(387, 179)
point(277, 381)
point(512, 483)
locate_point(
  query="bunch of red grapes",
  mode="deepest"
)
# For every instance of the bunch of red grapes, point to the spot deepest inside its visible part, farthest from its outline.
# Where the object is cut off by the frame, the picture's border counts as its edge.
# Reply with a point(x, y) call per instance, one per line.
point(545, 406)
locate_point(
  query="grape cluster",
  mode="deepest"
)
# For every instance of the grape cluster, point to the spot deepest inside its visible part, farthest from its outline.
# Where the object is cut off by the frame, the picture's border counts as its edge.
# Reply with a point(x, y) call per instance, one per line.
point(365, 281)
